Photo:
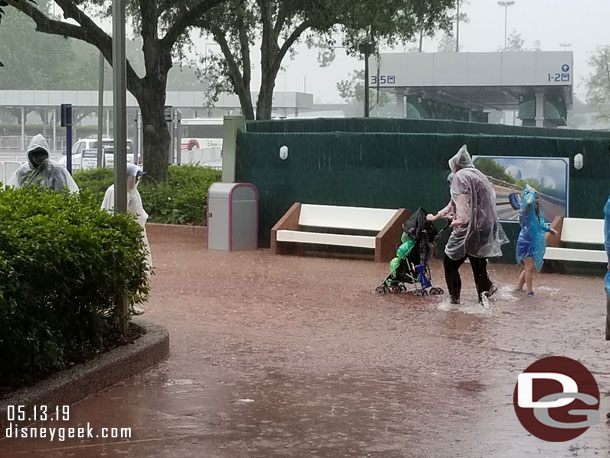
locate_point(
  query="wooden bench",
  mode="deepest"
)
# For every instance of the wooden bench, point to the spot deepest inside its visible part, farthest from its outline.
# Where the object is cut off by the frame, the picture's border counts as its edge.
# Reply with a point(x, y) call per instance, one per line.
point(576, 231)
point(297, 227)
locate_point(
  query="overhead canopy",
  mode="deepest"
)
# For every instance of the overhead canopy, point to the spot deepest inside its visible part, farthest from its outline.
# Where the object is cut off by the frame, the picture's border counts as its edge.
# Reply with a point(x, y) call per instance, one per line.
point(498, 80)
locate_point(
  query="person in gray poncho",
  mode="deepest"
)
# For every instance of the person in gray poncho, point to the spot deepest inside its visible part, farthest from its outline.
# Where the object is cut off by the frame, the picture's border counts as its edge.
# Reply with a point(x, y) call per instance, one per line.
point(477, 233)
point(42, 171)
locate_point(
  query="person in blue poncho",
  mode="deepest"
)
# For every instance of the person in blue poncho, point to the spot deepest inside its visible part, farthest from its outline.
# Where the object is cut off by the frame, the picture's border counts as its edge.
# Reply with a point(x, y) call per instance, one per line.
point(531, 243)
point(607, 246)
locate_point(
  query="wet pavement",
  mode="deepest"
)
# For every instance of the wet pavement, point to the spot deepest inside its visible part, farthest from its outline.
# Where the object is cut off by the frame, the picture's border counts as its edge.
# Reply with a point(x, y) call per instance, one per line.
point(297, 357)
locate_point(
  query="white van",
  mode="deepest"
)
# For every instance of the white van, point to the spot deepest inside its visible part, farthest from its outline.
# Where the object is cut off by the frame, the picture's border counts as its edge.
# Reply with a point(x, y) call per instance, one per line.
point(84, 154)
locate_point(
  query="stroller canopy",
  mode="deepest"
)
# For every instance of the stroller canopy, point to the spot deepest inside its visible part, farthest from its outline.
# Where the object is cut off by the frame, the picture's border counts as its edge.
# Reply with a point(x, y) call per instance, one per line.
point(417, 225)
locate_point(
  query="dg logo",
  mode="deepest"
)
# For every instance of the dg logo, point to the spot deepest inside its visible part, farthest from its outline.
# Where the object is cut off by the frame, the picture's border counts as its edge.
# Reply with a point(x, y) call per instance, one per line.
point(556, 399)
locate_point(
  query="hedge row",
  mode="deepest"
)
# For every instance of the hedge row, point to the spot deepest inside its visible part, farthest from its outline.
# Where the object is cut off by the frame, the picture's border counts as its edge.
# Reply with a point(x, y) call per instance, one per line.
point(180, 200)
point(62, 266)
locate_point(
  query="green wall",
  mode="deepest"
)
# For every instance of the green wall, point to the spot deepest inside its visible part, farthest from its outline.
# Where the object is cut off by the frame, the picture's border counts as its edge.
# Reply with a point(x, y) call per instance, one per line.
point(380, 125)
point(392, 170)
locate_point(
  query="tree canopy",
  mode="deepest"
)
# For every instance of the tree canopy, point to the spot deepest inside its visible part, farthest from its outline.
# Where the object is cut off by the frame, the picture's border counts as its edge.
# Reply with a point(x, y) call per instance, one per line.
point(163, 27)
point(277, 25)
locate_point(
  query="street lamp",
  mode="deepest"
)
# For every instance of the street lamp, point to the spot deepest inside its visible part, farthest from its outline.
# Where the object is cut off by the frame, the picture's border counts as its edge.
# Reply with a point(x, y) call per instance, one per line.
point(506, 4)
point(366, 48)
point(565, 46)
point(457, 28)
point(120, 126)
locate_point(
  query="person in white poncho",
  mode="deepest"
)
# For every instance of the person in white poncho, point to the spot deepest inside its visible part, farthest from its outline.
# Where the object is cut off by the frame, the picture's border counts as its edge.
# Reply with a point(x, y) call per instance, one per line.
point(477, 233)
point(134, 203)
point(42, 171)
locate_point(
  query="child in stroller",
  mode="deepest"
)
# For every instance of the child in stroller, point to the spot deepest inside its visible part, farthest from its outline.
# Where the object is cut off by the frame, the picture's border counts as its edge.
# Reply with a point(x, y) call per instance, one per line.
point(410, 266)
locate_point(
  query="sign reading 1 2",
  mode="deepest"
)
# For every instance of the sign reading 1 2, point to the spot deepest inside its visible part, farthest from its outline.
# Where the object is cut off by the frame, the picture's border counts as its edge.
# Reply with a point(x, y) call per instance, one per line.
point(383, 79)
point(564, 76)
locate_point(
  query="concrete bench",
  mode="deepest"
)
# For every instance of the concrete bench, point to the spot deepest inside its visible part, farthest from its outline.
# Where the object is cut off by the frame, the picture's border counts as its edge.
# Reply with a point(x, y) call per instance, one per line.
point(297, 227)
point(576, 231)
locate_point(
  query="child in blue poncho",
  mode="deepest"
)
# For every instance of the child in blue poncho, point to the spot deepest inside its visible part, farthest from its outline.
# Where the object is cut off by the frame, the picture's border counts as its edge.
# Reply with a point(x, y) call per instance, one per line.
point(531, 244)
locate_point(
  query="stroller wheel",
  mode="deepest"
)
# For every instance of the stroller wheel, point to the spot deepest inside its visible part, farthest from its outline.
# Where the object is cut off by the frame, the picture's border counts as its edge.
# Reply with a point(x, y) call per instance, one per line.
point(424, 292)
point(383, 289)
point(402, 287)
point(418, 292)
point(396, 289)
point(436, 291)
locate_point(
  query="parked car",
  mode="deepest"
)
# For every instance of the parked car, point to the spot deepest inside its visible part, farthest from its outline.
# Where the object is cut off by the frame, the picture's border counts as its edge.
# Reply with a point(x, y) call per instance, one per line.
point(84, 154)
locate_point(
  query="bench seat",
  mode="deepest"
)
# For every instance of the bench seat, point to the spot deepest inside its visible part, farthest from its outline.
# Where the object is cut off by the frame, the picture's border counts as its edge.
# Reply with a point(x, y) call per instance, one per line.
point(576, 231)
point(301, 224)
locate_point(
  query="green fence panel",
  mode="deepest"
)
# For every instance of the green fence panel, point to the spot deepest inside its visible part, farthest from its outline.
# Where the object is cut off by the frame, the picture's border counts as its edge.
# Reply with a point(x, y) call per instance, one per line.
point(392, 170)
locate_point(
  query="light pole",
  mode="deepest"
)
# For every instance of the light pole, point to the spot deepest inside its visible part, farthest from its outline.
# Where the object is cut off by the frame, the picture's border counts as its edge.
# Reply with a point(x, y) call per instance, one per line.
point(506, 4)
point(120, 127)
point(366, 48)
point(457, 28)
point(565, 46)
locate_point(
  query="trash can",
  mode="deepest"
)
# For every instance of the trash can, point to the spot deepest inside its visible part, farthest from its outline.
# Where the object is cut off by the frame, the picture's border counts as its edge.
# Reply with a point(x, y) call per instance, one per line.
point(232, 217)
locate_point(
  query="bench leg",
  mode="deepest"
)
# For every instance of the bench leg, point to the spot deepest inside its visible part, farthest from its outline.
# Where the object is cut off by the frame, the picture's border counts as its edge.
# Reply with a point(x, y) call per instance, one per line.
point(287, 248)
point(553, 267)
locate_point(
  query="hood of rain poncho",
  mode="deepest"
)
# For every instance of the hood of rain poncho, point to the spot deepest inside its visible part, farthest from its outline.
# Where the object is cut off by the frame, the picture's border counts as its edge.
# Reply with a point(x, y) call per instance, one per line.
point(461, 160)
point(48, 175)
point(417, 226)
point(38, 142)
point(136, 208)
point(531, 242)
point(474, 198)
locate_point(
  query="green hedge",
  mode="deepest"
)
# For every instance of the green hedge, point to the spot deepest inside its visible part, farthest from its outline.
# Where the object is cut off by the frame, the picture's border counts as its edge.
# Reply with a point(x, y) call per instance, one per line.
point(180, 200)
point(62, 266)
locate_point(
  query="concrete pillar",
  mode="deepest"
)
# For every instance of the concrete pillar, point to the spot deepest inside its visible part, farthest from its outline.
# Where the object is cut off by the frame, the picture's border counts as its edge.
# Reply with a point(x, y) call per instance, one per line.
point(539, 108)
point(55, 131)
point(400, 103)
point(108, 122)
point(22, 128)
point(230, 127)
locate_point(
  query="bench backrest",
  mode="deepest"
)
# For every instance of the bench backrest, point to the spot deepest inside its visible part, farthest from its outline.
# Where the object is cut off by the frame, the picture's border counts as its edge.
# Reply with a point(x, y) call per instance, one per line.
point(581, 230)
point(357, 218)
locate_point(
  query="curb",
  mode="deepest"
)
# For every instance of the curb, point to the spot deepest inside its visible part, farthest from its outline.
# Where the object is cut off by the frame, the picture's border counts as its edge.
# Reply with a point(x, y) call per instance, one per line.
point(83, 380)
point(171, 229)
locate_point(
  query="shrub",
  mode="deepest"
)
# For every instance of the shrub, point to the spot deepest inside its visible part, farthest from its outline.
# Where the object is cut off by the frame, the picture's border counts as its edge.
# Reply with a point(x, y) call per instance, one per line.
point(62, 266)
point(180, 200)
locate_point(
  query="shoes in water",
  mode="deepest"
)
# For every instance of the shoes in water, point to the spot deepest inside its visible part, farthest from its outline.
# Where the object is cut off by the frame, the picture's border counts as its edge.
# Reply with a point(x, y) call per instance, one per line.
point(493, 290)
point(530, 293)
point(455, 301)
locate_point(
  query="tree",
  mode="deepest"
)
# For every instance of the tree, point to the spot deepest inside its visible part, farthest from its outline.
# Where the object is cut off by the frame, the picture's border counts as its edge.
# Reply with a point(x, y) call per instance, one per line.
point(279, 24)
point(163, 27)
point(447, 43)
point(598, 85)
point(492, 169)
point(516, 43)
point(352, 90)
point(34, 62)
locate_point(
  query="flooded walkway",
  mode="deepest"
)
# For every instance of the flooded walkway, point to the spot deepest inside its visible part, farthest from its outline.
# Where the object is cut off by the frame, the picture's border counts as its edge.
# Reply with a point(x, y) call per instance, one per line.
point(297, 357)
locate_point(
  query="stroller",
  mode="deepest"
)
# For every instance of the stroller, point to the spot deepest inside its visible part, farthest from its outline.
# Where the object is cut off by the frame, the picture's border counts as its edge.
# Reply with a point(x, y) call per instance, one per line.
point(410, 266)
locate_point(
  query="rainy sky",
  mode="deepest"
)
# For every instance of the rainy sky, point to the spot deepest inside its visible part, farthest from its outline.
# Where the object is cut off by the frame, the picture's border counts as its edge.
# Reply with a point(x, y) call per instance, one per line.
point(584, 24)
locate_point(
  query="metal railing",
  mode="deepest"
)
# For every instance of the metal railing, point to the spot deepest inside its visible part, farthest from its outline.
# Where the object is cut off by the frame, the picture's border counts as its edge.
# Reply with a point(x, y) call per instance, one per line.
point(12, 143)
point(7, 168)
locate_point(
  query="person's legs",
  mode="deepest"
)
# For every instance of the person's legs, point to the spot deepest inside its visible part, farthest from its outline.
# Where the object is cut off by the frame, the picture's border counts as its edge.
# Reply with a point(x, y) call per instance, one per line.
point(521, 281)
point(481, 278)
point(530, 269)
point(452, 277)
